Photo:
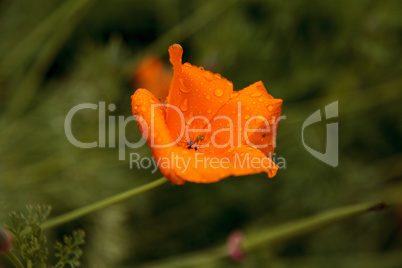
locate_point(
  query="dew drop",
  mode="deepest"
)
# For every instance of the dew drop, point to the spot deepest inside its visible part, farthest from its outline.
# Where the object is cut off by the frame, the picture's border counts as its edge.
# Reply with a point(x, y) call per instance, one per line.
point(260, 86)
point(184, 105)
point(159, 139)
point(218, 76)
point(218, 92)
point(233, 112)
point(143, 109)
point(151, 101)
point(270, 108)
point(182, 87)
point(260, 99)
point(208, 75)
point(135, 107)
point(187, 64)
point(234, 94)
point(201, 68)
point(209, 111)
point(247, 108)
point(257, 94)
point(247, 117)
point(207, 97)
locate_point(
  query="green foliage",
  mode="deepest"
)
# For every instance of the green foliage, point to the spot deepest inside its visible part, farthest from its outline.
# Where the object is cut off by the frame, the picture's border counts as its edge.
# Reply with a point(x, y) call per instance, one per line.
point(31, 244)
point(29, 240)
point(70, 252)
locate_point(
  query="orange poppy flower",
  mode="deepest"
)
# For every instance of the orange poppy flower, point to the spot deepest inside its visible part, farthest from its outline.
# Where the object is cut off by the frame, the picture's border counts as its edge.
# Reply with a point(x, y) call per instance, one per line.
point(206, 131)
point(152, 74)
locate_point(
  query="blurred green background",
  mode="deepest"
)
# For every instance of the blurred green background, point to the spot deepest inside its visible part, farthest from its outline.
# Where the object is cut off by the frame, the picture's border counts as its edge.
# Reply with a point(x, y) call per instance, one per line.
point(57, 54)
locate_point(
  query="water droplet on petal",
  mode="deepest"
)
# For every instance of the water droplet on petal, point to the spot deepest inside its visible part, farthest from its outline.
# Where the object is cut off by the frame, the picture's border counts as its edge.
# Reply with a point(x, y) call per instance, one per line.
point(256, 94)
point(218, 92)
point(184, 105)
point(208, 75)
point(218, 76)
point(207, 97)
point(143, 109)
point(182, 87)
point(209, 111)
point(247, 108)
point(187, 64)
point(270, 108)
point(151, 101)
point(234, 94)
point(135, 107)
point(260, 99)
point(247, 117)
point(201, 68)
point(233, 112)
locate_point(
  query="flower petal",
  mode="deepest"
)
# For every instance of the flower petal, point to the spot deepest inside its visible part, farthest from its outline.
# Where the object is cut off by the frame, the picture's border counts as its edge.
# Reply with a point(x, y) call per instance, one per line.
point(195, 92)
point(249, 118)
point(180, 164)
point(152, 74)
point(207, 166)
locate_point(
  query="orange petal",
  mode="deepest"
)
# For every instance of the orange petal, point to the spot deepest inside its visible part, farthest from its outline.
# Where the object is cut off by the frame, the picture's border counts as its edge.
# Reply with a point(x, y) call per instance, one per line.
point(249, 118)
point(214, 165)
point(180, 164)
point(195, 92)
point(152, 74)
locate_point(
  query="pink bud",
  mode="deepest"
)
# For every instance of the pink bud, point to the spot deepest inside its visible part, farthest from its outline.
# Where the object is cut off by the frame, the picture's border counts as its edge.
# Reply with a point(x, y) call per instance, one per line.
point(234, 245)
point(5, 241)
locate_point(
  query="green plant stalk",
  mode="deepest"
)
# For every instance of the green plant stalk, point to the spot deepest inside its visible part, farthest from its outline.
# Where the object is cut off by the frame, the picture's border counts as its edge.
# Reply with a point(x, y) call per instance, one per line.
point(272, 235)
point(75, 214)
point(307, 225)
point(15, 261)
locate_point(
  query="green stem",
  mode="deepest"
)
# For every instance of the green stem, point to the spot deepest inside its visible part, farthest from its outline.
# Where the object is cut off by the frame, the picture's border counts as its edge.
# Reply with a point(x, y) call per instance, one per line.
point(75, 214)
point(17, 263)
point(271, 235)
point(307, 225)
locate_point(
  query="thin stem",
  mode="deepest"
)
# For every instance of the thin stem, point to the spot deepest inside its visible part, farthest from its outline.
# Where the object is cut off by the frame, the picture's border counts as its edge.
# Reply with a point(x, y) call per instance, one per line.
point(272, 235)
point(11, 256)
point(75, 214)
point(307, 225)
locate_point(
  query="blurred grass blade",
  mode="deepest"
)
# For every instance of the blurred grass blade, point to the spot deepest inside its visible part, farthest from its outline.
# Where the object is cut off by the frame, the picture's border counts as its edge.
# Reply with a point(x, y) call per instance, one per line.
point(184, 29)
point(27, 48)
point(48, 38)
